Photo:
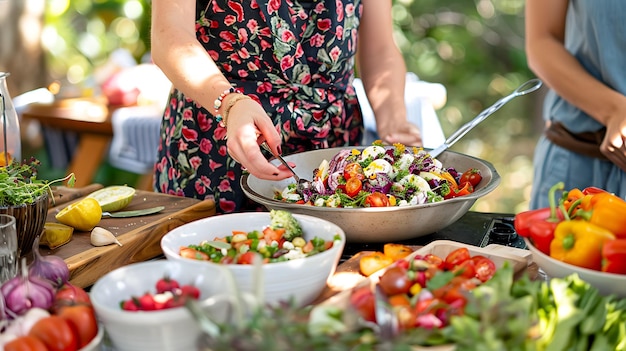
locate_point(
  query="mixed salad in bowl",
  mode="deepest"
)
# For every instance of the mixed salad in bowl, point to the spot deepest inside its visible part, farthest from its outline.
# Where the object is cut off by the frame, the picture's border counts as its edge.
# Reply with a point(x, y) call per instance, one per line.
point(381, 177)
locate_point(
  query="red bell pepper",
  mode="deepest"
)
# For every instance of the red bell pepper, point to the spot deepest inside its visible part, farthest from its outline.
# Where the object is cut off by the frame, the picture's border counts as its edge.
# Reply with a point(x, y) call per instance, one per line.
point(614, 256)
point(539, 225)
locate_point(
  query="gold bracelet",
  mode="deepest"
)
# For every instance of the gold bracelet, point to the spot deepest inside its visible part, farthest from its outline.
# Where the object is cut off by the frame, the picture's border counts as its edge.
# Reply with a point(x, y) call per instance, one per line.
point(230, 105)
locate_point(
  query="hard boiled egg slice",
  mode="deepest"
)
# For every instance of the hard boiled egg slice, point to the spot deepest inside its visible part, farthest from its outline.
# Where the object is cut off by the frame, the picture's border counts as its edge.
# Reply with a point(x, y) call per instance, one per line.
point(416, 181)
point(372, 151)
point(322, 171)
point(377, 166)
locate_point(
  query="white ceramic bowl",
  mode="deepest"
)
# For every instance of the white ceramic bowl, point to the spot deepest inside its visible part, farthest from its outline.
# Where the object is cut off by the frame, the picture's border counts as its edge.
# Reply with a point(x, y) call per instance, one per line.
point(377, 224)
point(301, 279)
point(165, 330)
point(607, 283)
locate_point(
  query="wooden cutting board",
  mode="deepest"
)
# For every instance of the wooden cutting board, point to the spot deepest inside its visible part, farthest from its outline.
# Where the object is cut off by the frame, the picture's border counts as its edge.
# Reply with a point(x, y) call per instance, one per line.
point(140, 236)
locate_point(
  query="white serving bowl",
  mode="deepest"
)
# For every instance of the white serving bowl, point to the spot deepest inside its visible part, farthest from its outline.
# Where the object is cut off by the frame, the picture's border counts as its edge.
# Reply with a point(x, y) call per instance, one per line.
point(377, 224)
point(165, 330)
point(606, 283)
point(300, 279)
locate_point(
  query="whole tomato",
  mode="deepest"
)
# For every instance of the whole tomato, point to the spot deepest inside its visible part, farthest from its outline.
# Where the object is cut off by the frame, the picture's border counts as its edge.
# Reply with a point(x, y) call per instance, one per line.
point(56, 333)
point(471, 176)
point(83, 319)
point(69, 294)
point(25, 343)
point(395, 281)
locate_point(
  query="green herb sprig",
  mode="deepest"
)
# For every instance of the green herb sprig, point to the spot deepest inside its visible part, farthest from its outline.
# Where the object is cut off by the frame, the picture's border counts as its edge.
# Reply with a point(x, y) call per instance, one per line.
point(19, 184)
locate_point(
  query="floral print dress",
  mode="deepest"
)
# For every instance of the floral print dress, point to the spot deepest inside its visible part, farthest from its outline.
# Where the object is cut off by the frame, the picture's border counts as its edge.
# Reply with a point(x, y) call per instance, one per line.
point(296, 58)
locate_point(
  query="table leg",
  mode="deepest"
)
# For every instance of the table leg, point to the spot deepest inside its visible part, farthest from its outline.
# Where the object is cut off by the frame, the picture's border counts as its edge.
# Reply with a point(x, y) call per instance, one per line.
point(91, 150)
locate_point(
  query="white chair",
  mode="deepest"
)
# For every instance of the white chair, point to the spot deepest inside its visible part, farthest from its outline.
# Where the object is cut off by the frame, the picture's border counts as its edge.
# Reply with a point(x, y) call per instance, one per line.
point(422, 99)
point(136, 132)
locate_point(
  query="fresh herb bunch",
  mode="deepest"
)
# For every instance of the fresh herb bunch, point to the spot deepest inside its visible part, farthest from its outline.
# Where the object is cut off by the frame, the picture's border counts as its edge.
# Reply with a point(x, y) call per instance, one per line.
point(19, 184)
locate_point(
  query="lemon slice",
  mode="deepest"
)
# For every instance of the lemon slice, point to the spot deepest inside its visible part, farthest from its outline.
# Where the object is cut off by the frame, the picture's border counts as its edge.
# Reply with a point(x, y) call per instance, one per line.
point(113, 198)
point(55, 235)
point(82, 215)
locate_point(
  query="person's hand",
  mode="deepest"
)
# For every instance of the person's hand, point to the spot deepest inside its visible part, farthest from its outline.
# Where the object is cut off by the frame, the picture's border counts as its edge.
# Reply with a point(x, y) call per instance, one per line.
point(405, 133)
point(248, 126)
point(614, 144)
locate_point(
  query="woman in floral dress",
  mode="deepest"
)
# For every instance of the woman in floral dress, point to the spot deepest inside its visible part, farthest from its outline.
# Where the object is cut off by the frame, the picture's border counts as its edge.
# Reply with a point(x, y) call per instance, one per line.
point(281, 71)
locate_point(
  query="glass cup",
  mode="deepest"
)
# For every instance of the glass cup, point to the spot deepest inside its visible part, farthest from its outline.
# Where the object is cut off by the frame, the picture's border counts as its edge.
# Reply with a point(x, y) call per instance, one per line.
point(8, 248)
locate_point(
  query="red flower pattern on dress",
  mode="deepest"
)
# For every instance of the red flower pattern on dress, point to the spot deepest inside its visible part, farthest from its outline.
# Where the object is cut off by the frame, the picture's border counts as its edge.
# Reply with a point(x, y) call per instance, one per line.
point(295, 60)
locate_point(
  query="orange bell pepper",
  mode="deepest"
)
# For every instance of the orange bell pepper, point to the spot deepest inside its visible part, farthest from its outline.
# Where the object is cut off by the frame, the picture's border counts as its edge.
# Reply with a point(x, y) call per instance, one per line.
point(579, 242)
point(605, 210)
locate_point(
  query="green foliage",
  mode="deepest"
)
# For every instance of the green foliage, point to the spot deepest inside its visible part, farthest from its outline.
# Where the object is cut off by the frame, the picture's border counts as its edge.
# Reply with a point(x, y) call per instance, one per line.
point(474, 48)
point(80, 35)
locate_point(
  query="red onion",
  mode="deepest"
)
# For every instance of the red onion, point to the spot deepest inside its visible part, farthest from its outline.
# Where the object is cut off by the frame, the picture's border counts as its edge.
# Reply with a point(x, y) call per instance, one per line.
point(24, 292)
point(52, 268)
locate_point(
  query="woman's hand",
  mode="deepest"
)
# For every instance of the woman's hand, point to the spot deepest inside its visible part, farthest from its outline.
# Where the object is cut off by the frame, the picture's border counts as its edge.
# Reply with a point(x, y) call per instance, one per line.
point(614, 144)
point(247, 126)
point(404, 132)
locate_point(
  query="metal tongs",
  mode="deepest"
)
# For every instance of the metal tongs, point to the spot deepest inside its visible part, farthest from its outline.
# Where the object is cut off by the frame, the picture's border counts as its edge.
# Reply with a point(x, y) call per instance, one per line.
point(523, 89)
point(302, 183)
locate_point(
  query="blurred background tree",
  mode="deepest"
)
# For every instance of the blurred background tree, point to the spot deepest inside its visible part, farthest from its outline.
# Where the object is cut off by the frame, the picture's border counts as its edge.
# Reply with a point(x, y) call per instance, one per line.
point(474, 48)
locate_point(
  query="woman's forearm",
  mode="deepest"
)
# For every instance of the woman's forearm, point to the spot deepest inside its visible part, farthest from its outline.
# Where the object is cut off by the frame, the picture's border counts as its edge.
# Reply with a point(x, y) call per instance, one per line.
point(380, 64)
point(180, 56)
point(560, 70)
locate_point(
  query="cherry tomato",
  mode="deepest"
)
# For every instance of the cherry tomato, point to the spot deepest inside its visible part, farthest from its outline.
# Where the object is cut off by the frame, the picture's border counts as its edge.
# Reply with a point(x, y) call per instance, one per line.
point(25, 343)
point(377, 199)
point(246, 258)
point(485, 268)
point(451, 295)
point(353, 187)
point(466, 189)
point(166, 284)
point(456, 257)
point(83, 319)
point(434, 260)
point(471, 176)
point(353, 170)
point(191, 291)
point(399, 300)
point(56, 333)
point(362, 299)
point(395, 281)
point(465, 269)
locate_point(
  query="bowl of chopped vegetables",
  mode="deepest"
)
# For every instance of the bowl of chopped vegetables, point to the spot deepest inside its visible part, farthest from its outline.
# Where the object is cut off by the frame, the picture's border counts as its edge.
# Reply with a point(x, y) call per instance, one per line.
point(402, 192)
point(296, 253)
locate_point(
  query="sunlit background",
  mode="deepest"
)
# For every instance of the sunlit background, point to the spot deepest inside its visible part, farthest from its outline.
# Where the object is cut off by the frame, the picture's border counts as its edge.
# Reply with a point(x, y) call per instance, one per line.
point(474, 48)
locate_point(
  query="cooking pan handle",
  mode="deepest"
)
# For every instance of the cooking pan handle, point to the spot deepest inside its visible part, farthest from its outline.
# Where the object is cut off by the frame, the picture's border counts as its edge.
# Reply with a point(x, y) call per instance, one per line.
point(527, 87)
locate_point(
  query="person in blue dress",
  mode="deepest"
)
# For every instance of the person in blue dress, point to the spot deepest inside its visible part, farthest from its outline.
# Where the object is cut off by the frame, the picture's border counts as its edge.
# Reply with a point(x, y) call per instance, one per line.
point(578, 49)
point(281, 71)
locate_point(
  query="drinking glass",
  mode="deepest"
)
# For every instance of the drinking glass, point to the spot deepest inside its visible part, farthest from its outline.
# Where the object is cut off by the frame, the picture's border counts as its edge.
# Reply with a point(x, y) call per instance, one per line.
point(8, 248)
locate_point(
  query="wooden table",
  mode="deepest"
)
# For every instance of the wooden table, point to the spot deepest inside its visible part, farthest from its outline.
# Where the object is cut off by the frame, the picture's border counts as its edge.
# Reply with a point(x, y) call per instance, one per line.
point(91, 119)
point(140, 236)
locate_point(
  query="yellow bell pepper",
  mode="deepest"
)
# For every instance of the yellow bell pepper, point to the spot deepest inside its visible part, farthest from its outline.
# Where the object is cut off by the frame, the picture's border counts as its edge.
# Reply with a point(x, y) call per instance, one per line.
point(579, 242)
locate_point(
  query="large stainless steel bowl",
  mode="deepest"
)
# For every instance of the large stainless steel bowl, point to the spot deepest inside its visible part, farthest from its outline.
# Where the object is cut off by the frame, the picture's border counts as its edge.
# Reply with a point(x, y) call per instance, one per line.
point(379, 224)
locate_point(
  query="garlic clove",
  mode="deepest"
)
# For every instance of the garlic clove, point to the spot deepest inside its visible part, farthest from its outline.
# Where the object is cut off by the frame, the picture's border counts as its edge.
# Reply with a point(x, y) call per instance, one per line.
point(103, 237)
